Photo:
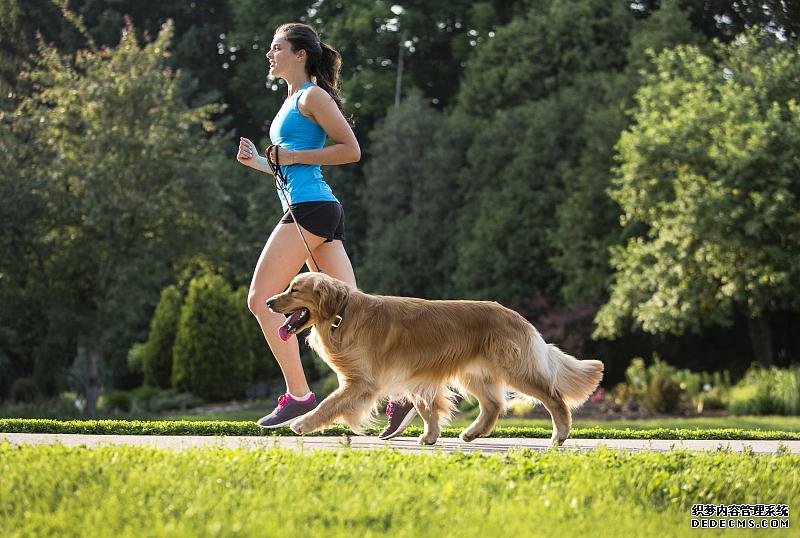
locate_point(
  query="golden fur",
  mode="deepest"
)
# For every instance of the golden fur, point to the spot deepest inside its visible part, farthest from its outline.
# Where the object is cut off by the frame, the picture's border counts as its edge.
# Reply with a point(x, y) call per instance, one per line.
point(399, 345)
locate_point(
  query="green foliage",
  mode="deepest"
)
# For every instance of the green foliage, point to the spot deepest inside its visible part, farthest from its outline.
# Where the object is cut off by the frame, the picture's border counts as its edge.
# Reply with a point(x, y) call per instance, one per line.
point(24, 389)
point(211, 357)
point(767, 391)
point(536, 55)
point(108, 170)
point(135, 354)
point(708, 181)
point(588, 219)
point(662, 388)
point(149, 399)
point(344, 493)
point(410, 246)
point(63, 407)
point(534, 101)
point(156, 357)
point(115, 401)
point(510, 195)
point(663, 391)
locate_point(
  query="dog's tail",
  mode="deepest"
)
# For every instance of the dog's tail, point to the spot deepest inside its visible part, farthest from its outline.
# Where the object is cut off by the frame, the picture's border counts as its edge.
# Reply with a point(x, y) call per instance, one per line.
point(572, 379)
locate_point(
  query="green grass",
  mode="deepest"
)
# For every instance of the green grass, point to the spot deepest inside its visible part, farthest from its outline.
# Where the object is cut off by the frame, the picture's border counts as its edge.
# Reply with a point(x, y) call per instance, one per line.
point(133, 491)
point(135, 427)
point(772, 422)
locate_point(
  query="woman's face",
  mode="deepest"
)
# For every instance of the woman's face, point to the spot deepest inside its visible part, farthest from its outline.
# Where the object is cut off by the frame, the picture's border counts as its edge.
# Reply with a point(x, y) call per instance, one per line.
point(282, 59)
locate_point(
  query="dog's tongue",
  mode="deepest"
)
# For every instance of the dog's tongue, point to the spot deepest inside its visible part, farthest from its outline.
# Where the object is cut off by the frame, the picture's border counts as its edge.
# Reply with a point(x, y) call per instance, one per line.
point(283, 330)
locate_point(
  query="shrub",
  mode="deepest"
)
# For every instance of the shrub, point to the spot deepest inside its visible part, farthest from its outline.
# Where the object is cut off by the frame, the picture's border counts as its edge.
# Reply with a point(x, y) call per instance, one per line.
point(169, 400)
point(210, 357)
point(142, 396)
point(767, 391)
point(156, 355)
point(663, 390)
point(24, 390)
point(63, 407)
point(637, 377)
point(153, 400)
point(135, 354)
point(116, 401)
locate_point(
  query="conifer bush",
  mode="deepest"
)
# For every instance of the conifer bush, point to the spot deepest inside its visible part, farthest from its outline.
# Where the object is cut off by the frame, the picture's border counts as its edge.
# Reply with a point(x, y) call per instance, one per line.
point(211, 358)
point(156, 355)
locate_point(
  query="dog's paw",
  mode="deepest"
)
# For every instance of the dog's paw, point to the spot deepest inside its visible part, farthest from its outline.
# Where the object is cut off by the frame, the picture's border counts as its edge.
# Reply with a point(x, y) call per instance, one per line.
point(467, 436)
point(555, 442)
point(428, 439)
point(301, 426)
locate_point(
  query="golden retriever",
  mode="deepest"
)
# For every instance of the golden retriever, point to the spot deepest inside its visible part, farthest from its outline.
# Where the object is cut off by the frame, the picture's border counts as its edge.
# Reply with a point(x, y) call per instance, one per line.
point(381, 345)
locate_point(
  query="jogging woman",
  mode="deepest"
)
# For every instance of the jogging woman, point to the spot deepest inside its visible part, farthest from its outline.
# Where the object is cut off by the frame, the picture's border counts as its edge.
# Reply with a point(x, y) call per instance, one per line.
point(311, 113)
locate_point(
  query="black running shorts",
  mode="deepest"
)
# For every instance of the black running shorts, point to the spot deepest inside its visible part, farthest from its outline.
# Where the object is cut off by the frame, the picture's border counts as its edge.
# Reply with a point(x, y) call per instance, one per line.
point(323, 219)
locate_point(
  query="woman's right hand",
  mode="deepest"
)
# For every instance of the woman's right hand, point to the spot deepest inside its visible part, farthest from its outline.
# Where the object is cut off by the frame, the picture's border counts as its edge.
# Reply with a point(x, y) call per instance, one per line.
point(247, 152)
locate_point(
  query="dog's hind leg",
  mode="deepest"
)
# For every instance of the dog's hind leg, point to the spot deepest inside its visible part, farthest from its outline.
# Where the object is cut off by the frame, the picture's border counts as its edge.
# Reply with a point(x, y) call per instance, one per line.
point(491, 398)
point(555, 405)
point(431, 407)
point(351, 403)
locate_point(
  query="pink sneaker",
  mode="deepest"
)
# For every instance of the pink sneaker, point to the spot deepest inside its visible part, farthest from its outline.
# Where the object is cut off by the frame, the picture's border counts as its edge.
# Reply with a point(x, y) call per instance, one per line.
point(287, 410)
point(400, 414)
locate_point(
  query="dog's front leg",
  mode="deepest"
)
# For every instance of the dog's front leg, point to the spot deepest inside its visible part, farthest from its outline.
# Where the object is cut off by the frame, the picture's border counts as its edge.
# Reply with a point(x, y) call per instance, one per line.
point(349, 401)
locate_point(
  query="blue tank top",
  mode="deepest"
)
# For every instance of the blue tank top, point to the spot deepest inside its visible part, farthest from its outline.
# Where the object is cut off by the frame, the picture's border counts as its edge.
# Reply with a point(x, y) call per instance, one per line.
point(293, 131)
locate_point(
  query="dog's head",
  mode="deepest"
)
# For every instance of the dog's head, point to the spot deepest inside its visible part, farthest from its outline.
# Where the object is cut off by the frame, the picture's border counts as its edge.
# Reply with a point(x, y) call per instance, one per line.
point(310, 299)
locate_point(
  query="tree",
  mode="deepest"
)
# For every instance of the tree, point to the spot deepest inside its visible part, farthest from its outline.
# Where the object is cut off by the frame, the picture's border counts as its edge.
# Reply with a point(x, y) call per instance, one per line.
point(724, 20)
point(412, 199)
point(588, 219)
point(535, 55)
point(537, 105)
point(122, 186)
point(156, 356)
point(510, 198)
point(211, 356)
point(708, 182)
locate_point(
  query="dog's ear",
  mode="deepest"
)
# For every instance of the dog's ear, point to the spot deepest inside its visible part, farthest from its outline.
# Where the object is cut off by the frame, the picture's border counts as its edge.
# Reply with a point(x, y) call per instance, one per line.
point(331, 294)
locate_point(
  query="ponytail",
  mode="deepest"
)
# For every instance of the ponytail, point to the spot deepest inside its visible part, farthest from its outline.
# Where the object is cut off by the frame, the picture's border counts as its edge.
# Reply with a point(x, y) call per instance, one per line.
point(323, 62)
point(326, 71)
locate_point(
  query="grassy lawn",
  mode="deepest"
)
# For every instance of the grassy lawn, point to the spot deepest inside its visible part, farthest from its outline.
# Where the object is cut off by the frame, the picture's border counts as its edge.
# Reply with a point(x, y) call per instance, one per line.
point(132, 491)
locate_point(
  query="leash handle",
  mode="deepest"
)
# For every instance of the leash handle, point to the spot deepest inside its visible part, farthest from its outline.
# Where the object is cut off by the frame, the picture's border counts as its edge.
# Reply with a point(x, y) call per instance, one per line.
point(280, 184)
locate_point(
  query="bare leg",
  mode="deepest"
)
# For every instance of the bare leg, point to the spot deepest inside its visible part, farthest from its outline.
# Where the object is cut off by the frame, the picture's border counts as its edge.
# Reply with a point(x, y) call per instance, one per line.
point(333, 260)
point(280, 260)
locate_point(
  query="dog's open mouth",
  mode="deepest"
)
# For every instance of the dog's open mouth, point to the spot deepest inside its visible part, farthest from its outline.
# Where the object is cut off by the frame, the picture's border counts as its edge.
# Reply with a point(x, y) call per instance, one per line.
point(296, 319)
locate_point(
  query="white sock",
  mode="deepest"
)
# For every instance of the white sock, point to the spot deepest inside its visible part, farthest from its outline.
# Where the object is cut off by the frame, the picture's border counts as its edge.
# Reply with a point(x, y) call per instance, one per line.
point(302, 398)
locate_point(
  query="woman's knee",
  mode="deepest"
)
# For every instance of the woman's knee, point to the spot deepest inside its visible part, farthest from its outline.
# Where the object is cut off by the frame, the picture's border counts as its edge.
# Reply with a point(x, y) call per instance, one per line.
point(256, 302)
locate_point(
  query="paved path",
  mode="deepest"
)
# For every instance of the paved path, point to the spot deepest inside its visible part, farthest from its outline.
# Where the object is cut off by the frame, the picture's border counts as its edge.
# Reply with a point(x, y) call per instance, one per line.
point(405, 444)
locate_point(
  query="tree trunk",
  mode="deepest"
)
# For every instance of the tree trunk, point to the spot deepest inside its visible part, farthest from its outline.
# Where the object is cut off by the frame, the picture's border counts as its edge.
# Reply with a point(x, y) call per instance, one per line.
point(93, 379)
point(761, 339)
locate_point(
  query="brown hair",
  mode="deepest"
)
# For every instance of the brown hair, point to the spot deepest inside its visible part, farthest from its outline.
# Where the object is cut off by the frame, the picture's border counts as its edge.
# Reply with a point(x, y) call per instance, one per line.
point(323, 63)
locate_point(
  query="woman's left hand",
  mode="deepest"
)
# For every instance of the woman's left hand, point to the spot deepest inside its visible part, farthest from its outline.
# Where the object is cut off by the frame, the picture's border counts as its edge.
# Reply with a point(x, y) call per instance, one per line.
point(286, 156)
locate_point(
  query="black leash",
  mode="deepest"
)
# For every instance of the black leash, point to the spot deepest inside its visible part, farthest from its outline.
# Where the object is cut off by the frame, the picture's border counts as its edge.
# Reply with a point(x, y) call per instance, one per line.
point(280, 184)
